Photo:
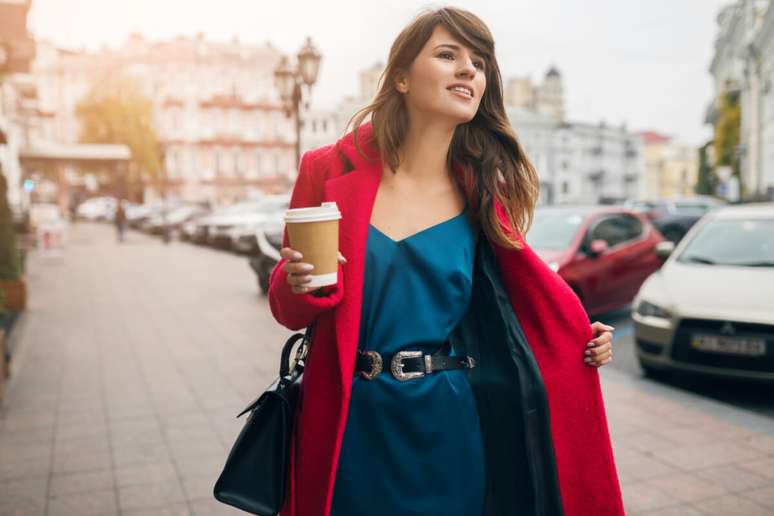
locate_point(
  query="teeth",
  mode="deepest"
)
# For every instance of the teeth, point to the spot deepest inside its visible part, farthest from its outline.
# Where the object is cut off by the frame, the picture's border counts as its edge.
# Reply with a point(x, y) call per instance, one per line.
point(463, 90)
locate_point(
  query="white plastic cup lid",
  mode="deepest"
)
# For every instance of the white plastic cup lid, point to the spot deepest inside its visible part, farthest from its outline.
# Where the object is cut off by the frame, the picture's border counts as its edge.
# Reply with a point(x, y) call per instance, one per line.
point(326, 211)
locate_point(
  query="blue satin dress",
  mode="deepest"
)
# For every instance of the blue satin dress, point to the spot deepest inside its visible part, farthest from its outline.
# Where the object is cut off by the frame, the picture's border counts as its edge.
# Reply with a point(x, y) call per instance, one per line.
point(413, 447)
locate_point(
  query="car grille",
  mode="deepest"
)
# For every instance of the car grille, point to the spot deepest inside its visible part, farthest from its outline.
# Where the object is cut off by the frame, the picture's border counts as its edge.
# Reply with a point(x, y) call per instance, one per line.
point(683, 352)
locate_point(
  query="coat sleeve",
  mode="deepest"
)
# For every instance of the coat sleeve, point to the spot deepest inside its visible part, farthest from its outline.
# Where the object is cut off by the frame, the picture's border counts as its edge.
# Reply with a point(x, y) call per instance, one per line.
point(296, 311)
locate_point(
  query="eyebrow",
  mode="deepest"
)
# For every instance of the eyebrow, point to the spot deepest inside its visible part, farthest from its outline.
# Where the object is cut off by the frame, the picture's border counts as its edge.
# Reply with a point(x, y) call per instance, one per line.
point(456, 47)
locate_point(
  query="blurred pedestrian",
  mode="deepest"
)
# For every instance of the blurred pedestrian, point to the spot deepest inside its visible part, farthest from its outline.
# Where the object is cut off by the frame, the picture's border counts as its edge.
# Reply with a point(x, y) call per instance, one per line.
point(452, 371)
point(120, 220)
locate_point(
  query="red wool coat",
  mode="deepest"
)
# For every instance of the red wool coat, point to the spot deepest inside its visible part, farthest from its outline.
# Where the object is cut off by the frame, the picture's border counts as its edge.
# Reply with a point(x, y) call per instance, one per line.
point(553, 321)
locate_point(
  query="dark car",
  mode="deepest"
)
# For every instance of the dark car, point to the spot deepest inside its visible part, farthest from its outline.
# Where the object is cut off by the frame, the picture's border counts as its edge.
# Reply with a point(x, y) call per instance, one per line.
point(269, 241)
point(675, 217)
point(603, 253)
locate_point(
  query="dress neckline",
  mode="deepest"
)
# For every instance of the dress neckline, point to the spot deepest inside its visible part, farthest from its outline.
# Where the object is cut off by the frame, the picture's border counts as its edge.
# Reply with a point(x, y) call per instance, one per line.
point(421, 231)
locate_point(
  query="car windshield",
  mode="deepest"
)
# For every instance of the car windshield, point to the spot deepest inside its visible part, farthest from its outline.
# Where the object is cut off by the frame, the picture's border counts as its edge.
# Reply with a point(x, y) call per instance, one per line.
point(553, 230)
point(742, 242)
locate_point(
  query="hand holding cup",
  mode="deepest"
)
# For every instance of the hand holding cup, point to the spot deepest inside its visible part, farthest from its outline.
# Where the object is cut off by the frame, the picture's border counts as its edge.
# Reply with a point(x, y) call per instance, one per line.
point(298, 272)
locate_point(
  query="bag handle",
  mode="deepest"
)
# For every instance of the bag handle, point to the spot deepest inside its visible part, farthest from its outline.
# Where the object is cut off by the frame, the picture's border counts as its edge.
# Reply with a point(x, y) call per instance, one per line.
point(301, 352)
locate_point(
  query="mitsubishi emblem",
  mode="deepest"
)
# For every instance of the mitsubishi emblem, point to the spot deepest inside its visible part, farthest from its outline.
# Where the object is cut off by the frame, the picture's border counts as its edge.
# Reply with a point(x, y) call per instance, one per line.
point(727, 328)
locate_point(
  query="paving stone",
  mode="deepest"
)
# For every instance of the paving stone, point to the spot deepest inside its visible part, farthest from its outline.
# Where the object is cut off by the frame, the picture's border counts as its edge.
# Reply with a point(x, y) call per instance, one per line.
point(642, 496)
point(732, 506)
point(733, 478)
point(83, 504)
point(688, 488)
point(70, 483)
point(144, 496)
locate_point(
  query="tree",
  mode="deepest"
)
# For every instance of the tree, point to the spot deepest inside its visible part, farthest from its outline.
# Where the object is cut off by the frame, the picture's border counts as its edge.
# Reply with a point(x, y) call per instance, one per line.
point(727, 129)
point(10, 264)
point(706, 181)
point(116, 111)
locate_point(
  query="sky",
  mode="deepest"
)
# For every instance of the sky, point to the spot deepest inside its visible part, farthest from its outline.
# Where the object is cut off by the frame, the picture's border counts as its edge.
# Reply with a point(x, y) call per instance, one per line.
point(641, 63)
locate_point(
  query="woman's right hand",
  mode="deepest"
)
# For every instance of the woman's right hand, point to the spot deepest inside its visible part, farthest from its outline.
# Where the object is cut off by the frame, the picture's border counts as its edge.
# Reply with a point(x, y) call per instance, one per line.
point(298, 271)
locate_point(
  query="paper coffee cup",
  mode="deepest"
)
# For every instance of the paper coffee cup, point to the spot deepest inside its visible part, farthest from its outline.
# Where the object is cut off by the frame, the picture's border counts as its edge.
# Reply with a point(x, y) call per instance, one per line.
point(314, 232)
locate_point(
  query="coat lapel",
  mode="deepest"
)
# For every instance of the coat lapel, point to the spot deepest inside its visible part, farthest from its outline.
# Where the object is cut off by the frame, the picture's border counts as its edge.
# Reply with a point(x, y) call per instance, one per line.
point(354, 194)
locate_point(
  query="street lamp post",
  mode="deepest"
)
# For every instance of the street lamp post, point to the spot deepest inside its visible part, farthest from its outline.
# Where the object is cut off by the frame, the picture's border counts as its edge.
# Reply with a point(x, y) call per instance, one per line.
point(289, 81)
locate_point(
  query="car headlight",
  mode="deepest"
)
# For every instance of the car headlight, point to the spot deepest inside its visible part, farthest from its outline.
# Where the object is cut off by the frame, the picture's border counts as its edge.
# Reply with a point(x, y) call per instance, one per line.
point(647, 309)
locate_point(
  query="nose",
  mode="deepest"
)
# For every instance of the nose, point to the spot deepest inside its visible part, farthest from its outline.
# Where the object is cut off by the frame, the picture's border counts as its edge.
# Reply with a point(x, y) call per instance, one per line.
point(466, 68)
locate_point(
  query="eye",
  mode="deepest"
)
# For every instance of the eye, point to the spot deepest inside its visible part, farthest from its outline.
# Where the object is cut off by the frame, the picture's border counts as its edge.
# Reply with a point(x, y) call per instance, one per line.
point(445, 55)
point(479, 65)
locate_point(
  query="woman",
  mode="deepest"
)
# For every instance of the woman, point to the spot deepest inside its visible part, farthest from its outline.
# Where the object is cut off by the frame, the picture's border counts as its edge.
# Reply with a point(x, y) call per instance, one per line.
point(435, 194)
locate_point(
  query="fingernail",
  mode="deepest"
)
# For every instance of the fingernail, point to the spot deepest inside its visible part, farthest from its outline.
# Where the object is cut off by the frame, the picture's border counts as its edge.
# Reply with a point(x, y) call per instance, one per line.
point(587, 360)
point(297, 256)
point(609, 327)
point(588, 352)
point(590, 345)
point(308, 267)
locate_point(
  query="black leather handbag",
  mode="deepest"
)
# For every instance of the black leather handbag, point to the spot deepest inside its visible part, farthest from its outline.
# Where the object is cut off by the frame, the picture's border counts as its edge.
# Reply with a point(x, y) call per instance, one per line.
point(255, 476)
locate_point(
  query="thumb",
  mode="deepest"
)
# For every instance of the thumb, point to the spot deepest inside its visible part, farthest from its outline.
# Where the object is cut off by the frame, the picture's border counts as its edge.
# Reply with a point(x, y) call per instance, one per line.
point(341, 258)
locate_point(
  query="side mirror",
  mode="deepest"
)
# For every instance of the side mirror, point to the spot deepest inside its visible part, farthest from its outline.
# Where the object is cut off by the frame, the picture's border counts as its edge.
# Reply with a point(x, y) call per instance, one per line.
point(598, 247)
point(664, 249)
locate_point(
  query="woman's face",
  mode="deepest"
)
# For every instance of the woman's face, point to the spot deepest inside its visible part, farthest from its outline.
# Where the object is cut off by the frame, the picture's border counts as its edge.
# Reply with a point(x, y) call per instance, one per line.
point(446, 79)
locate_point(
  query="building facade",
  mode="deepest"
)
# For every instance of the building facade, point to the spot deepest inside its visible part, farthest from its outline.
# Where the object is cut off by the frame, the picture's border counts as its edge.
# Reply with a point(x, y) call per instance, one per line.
point(546, 98)
point(577, 162)
point(223, 131)
point(742, 65)
point(671, 168)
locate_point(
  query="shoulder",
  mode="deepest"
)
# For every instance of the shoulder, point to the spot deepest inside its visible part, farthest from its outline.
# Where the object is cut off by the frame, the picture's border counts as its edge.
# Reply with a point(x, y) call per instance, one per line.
point(321, 163)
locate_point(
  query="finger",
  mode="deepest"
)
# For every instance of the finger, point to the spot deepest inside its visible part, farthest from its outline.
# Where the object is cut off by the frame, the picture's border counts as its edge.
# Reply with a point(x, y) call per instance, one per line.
point(298, 268)
point(299, 279)
point(605, 338)
point(341, 258)
point(598, 359)
point(599, 327)
point(598, 350)
point(604, 362)
point(290, 254)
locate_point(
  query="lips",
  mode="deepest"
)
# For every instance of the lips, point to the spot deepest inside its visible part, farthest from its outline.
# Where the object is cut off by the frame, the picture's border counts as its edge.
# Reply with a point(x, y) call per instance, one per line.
point(462, 90)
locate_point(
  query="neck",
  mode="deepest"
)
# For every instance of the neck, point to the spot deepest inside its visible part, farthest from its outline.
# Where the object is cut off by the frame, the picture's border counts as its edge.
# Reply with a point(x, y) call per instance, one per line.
point(424, 150)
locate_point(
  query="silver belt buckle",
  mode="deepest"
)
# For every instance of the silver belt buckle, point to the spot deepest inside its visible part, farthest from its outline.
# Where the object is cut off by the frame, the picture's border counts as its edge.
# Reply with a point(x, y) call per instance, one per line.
point(396, 365)
point(376, 365)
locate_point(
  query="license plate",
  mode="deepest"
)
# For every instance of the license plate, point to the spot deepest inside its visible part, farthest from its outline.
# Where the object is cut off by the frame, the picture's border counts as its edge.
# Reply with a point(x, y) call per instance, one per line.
point(729, 345)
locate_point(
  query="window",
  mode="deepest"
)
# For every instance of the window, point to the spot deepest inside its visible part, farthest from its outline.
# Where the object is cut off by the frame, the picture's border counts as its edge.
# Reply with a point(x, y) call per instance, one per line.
point(616, 229)
point(565, 187)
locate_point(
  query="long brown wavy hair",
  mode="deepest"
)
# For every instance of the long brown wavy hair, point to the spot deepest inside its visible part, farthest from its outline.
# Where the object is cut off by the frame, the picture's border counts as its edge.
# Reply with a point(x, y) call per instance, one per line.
point(494, 163)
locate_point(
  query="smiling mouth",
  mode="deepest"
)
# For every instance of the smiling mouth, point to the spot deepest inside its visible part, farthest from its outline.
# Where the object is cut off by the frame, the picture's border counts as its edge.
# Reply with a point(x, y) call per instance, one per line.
point(462, 91)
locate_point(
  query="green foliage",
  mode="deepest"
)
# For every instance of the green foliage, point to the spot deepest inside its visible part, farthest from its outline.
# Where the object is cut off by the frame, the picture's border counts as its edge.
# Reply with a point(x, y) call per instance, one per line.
point(117, 111)
point(727, 129)
point(706, 180)
point(10, 265)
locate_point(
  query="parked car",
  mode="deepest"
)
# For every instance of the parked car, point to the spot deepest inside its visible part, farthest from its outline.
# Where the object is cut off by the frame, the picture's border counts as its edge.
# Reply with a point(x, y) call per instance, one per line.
point(710, 308)
point(97, 208)
point(243, 234)
point(268, 239)
point(603, 253)
point(173, 218)
point(244, 218)
point(673, 218)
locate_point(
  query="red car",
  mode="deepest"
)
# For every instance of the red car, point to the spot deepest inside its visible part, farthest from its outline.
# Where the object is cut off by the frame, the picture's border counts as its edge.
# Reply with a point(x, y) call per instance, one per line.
point(603, 252)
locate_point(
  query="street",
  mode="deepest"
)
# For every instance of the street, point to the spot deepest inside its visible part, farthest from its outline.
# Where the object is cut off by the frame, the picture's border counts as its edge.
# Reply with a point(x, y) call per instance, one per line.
point(132, 361)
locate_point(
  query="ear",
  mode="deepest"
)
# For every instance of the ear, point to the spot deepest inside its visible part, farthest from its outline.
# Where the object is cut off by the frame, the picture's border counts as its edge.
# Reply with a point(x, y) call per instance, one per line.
point(401, 82)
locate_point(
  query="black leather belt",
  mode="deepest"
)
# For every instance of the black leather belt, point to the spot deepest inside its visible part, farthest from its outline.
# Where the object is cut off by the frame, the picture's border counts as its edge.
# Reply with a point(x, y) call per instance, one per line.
point(407, 365)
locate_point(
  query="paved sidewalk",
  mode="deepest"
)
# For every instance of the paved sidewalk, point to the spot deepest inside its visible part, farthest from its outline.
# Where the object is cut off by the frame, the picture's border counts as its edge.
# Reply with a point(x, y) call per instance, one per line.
point(132, 361)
